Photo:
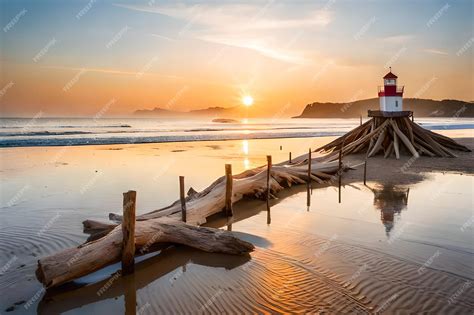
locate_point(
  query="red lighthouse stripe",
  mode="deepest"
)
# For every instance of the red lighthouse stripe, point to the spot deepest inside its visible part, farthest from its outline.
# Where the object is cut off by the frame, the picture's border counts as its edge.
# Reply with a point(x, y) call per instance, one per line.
point(391, 90)
point(384, 93)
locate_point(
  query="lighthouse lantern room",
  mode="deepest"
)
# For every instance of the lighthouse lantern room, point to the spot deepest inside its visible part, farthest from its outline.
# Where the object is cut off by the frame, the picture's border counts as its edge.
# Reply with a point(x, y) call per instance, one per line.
point(391, 95)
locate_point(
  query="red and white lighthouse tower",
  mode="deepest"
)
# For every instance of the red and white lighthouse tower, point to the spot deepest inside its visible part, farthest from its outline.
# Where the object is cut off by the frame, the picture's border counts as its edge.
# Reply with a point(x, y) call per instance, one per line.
point(391, 95)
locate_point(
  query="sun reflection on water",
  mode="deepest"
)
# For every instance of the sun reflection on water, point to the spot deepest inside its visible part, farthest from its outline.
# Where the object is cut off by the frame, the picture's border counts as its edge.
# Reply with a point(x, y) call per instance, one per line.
point(245, 150)
point(245, 147)
point(246, 163)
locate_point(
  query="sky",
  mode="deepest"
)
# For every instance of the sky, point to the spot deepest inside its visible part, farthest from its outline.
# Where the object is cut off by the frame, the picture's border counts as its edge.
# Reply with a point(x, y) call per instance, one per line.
point(109, 58)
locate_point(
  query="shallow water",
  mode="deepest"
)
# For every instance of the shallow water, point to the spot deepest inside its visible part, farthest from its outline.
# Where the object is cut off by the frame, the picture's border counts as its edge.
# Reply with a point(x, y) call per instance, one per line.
point(377, 251)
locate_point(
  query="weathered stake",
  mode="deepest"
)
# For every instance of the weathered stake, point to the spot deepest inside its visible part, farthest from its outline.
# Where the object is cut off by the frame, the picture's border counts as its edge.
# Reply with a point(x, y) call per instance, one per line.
point(308, 188)
point(340, 173)
point(228, 190)
point(128, 232)
point(130, 295)
point(360, 119)
point(289, 159)
point(365, 171)
point(269, 168)
point(182, 198)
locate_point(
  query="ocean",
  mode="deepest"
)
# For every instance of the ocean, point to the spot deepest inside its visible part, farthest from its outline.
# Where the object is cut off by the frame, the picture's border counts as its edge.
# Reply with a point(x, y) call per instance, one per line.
point(26, 132)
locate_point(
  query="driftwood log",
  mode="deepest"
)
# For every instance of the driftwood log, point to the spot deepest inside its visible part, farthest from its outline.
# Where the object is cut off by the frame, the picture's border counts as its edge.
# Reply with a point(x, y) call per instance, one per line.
point(392, 135)
point(79, 261)
point(201, 205)
point(164, 226)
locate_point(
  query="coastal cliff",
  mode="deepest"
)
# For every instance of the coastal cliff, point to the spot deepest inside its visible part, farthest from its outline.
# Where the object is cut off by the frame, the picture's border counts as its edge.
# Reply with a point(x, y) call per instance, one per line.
point(421, 108)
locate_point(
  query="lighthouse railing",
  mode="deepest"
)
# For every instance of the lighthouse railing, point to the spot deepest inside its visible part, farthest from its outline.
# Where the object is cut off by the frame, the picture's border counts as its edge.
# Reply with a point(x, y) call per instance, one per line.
point(399, 89)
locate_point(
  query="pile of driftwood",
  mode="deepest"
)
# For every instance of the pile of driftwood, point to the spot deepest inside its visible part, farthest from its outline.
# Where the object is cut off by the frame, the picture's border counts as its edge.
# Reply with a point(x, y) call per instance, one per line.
point(165, 226)
point(392, 135)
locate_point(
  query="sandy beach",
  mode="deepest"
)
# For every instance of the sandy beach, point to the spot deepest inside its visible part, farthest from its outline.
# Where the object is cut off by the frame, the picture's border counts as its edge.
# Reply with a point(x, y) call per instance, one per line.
point(375, 252)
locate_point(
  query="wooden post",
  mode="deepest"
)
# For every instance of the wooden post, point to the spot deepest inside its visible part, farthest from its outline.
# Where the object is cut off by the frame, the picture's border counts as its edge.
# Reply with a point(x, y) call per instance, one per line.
point(281, 147)
point(130, 295)
point(365, 171)
point(182, 198)
point(360, 119)
point(340, 173)
point(289, 157)
point(269, 168)
point(128, 232)
point(230, 220)
point(308, 188)
point(228, 190)
point(412, 117)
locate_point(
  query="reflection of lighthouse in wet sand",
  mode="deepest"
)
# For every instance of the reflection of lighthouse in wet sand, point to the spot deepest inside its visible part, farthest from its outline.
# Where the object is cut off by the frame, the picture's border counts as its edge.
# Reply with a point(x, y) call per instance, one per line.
point(390, 201)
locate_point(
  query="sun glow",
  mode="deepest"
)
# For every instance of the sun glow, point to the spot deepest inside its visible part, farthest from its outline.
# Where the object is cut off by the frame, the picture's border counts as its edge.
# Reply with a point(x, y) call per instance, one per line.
point(245, 147)
point(247, 100)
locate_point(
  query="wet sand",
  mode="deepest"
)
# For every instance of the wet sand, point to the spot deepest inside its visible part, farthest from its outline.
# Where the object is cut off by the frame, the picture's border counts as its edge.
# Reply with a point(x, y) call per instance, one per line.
point(377, 251)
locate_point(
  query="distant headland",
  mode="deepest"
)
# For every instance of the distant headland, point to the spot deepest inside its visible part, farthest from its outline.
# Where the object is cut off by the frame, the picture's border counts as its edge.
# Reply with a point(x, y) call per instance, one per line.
point(420, 107)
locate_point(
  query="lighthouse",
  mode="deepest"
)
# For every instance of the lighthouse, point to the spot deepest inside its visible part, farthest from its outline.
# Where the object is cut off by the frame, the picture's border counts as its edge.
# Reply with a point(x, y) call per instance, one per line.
point(391, 95)
point(391, 131)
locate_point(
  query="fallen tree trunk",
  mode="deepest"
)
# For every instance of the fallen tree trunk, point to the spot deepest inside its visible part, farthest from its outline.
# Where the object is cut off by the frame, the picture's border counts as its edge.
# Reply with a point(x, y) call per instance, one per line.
point(76, 262)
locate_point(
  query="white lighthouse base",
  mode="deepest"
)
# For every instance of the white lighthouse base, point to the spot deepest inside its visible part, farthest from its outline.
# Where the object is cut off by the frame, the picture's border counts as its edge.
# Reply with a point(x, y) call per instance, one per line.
point(391, 103)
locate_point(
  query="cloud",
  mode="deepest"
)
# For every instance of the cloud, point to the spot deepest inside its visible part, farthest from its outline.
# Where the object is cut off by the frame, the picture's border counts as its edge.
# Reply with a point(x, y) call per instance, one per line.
point(163, 37)
point(107, 71)
point(435, 51)
point(398, 39)
point(242, 25)
point(235, 16)
point(259, 45)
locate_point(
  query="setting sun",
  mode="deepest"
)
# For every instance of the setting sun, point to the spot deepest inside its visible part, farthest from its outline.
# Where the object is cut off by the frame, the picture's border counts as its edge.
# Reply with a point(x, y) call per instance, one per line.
point(247, 100)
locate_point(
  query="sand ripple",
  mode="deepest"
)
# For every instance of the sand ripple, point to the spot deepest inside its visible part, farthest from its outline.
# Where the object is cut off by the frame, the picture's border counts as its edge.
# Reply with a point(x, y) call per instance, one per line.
point(306, 275)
